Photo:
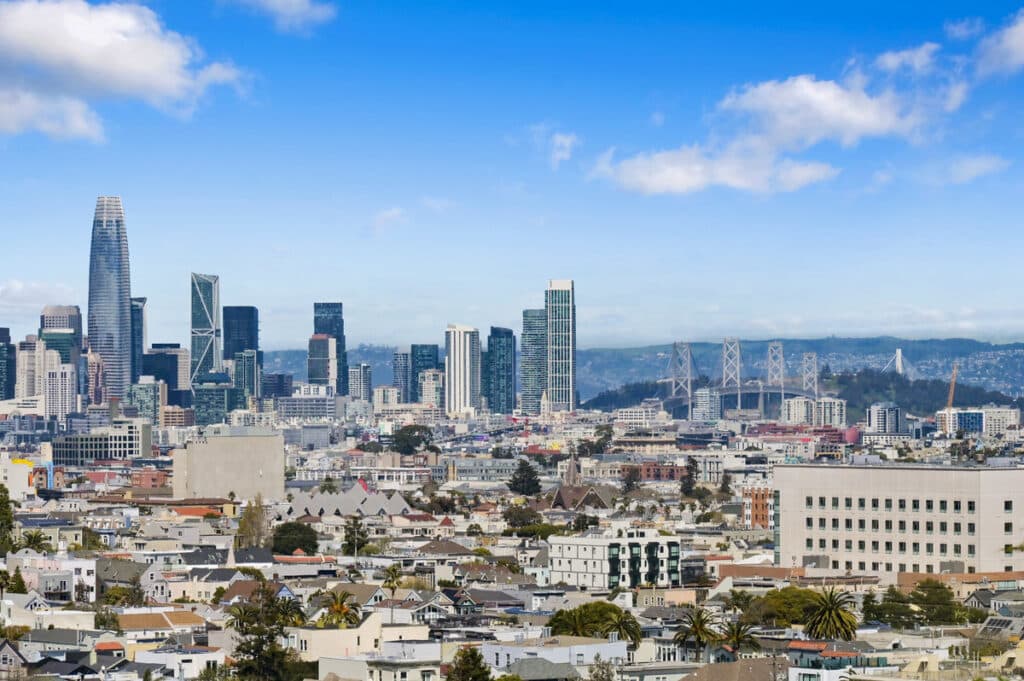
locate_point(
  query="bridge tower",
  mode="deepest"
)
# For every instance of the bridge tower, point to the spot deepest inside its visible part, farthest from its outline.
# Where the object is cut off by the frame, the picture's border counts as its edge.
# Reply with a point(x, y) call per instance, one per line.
point(810, 373)
point(680, 371)
point(777, 369)
point(731, 363)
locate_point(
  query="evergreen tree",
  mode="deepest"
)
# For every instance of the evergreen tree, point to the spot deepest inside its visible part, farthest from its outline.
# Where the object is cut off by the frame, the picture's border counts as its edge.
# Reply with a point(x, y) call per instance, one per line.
point(601, 670)
point(17, 585)
point(355, 536)
point(631, 480)
point(725, 487)
point(291, 536)
point(469, 665)
point(6, 520)
point(525, 480)
point(258, 653)
point(689, 481)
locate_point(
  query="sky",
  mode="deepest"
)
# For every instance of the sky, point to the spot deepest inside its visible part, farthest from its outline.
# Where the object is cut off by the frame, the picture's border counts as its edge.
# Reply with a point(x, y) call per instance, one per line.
point(741, 169)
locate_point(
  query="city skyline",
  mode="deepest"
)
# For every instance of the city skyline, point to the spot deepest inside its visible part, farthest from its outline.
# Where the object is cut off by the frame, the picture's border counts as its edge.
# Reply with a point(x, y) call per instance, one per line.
point(921, 150)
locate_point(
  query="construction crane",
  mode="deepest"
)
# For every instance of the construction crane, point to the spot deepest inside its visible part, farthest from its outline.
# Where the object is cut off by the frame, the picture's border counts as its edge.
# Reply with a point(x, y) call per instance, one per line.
point(949, 400)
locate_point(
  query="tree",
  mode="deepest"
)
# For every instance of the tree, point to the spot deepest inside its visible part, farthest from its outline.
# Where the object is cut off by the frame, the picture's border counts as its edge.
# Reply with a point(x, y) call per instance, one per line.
point(725, 485)
point(936, 603)
point(689, 481)
point(469, 665)
point(355, 536)
point(737, 635)
point(106, 619)
point(474, 530)
point(583, 521)
point(252, 525)
point(701, 626)
point(6, 520)
point(17, 585)
point(260, 624)
point(738, 600)
point(525, 480)
point(521, 516)
point(833, 616)
point(631, 479)
point(392, 580)
point(601, 670)
point(290, 612)
point(409, 439)
point(35, 540)
point(291, 536)
point(328, 486)
point(594, 619)
point(625, 625)
point(781, 607)
point(340, 611)
point(91, 540)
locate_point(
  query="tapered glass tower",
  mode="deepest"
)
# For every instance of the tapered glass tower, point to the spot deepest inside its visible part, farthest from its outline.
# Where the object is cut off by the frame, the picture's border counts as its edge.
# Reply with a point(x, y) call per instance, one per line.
point(206, 330)
point(110, 324)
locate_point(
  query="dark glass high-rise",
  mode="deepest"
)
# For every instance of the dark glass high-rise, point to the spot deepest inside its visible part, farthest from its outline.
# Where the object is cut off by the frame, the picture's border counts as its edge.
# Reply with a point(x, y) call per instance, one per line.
point(110, 325)
point(329, 318)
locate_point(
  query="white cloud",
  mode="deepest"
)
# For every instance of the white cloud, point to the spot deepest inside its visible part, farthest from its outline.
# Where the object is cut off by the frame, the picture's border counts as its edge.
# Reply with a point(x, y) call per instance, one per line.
point(955, 96)
point(388, 216)
point(293, 16)
point(1003, 51)
point(783, 117)
point(964, 29)
point(658, 119)
point(969, 168)
point(27, 297)
point(917, 59)
point(802, 111)
point(72, 52)
point(562, 146)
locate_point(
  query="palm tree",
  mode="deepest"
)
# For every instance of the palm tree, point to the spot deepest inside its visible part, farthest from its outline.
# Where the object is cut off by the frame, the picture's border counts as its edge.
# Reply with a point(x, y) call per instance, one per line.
point(290, 612)
point(242, 615)
point(625, 625)
point(701, 625)
point(738, 600)
point(35, 540)
point(339, 611)
point(392, 580)
point(572, 622)
point(833, 616)
point(737, 635)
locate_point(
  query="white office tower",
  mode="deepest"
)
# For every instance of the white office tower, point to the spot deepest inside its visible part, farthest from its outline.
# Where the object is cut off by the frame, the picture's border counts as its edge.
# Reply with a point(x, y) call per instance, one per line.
point(360, 382)
point(431, 388)
point(798, 411)
point(462, 369)
point(30, 368)
point(885, 418)
point(707, 405)
point(560, 305)
point(60, 387)
point(830, 411)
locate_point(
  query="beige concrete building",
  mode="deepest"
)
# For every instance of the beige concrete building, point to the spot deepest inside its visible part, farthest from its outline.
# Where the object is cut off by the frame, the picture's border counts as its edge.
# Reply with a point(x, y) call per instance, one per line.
point(213, 467)
point(888, 519)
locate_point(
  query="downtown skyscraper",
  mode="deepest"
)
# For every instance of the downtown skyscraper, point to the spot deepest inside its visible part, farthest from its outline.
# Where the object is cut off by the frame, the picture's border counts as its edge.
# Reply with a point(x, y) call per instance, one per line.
point(241, 330)
point(500, 370)
point(110, 326)
point(138, 336)
point(533, 380)
point(329, 318)
point(462, 369)
point(560, 306)
point(206, 329)
point(422, 357)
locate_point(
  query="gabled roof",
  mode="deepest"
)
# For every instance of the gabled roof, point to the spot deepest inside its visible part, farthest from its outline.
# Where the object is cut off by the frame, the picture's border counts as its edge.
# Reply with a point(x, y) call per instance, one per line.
point(540, 669)
point(443, 547)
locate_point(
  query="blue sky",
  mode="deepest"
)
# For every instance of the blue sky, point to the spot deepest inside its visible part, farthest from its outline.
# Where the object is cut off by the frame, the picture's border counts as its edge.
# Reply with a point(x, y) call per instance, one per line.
point(737, 170)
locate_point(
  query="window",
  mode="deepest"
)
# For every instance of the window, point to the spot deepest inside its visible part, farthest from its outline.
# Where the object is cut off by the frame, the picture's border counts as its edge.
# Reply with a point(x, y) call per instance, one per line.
point(1007, 528)
point(822, 544)
point(1008, 549)
point(810, 523)
point(902, 526)
point(821, 523)
point(888, 547)
point(848, 502)
point(970, 529)
point(942, 527)
point(903, 505)
point(874, 547)
point(809, 544)
point(970, 549)
point(860, 545)
point(956, 549)
point(956, 506)
point(915, 526)
point(903, 548)
point(1007, 506)
point(835, 503)
point(915, 548)
point(861, 503)
point(835, 544)
point(888, 504)
point(874, 504)
point(874, 525)
point(861, 524)
point(970, 507)
point(915, 505)
point(888, 526)
point(579, 656)
point(835, 523)
point(809, 502)
point(942, 506)
point(928, 506)
point(849, 545)
point(942, 549)
point(821, 502)
point(848, 523)
point(929, 527)
point(956, 528)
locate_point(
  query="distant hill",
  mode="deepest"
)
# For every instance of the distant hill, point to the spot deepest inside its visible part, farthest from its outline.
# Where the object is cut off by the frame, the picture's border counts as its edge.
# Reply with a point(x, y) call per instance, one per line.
point(991, 366)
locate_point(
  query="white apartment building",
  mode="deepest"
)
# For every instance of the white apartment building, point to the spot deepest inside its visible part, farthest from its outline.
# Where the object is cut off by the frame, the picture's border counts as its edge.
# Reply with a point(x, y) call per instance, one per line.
point(431, 382)
point(830, 411)
point(988, 420)
point(606, 560)
point(798, 411)
point(60, 387)
point(707, 405)
point(386, 396)
point(462, 370)
point(886, 519)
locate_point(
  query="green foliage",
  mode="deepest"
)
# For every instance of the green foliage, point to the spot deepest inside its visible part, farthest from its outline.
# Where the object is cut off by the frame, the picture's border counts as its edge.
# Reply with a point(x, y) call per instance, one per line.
point(17, 585)
point(864, 388)
point(509, 677)
point(131, 596)
point(832, 617)
point(106, 620)
point(218, 594)
point(689, 481)
point(91, 540)
point(739, 636)
point(35, 540)
point(539, 530)
point(356, 538)
point(328, 486)
point(252, 525)
point(372, 447)
point(409, 439)
point(583, 521)
point(340, 611)
point(596, 619)
point(626, 395)
point(781, 607)
point(13, 632)
point(469, 665)
point(291, 536)
point(474, 530)
point(601, 670)
point(482, 551)
point(725, 488)
point(260, 625)
point(252, 573)
point(701, 626)
point(525, 480)
point(930, 603)
point(510, 563)
point(6, 520)
point(521, 516)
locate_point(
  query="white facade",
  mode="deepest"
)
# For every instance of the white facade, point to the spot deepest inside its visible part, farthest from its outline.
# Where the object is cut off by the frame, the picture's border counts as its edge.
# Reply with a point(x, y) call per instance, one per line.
point(560, 305)
point(707, 405)
point(60, 387)
point(432, 388)
point(888, 519)
point(605, 561)
point(885, 418)
point(798, 411)
point(30, 372)
point(462, 370)
point(386, 396)
point(830, 411)
point(360, 382)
